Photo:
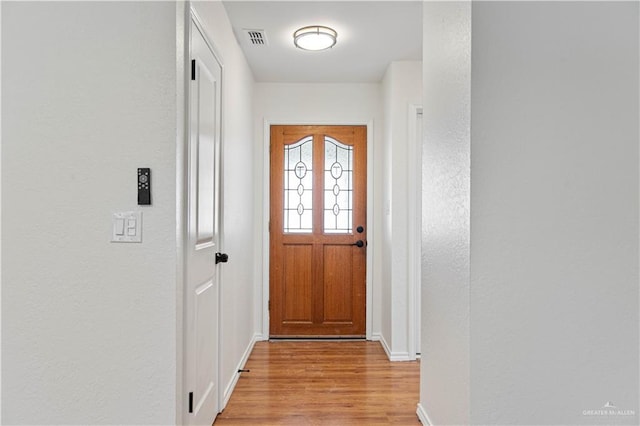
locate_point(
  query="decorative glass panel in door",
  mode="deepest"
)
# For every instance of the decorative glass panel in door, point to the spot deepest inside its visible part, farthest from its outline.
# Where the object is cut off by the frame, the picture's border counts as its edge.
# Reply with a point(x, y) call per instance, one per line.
point(338, 187)
point(298, 186)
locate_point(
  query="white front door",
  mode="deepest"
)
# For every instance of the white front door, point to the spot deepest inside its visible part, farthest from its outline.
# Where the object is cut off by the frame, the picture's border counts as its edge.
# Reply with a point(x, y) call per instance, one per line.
point(203, 233)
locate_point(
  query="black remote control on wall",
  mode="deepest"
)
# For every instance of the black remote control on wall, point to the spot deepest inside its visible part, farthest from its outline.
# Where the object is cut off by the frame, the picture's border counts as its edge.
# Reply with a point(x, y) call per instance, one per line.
point(144, 186)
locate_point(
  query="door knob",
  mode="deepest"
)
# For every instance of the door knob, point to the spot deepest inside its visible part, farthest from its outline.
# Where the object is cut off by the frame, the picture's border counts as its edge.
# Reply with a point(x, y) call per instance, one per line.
point(359, 243)
point(222, 258)
point(360, 229)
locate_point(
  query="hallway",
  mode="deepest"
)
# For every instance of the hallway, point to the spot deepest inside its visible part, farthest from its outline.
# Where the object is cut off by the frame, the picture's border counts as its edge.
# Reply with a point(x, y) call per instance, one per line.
point(502, 234)
point(323, 382)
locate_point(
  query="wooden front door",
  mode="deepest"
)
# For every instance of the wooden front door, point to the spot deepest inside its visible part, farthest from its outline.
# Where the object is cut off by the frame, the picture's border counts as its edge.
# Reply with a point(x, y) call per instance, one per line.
point(318, 231)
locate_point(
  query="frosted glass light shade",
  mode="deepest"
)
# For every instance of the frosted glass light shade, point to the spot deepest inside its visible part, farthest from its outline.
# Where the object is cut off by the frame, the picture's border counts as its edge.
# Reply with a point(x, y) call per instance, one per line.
point(315, 37)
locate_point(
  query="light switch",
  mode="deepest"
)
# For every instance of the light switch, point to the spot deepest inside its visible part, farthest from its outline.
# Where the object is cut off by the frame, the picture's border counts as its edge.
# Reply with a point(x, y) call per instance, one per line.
point(119, 226)
point(131, 227)
point(127, 227)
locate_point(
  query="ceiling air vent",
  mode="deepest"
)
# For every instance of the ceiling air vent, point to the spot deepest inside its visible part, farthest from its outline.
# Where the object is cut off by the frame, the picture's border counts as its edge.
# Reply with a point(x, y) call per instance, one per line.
point(256, 37)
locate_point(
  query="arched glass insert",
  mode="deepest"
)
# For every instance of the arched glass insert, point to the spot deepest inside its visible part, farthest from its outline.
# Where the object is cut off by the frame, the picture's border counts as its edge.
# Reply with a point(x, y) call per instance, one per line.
point(338, 187)
point(298, 186)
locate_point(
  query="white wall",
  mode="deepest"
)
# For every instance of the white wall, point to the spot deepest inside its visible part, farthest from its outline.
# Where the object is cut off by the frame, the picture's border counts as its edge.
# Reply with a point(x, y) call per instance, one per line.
point(401, 87)
point(444, 370)
point(300, 103)
point(550, 280)
point(89, 327)
point(554, 212)
point(239, 238)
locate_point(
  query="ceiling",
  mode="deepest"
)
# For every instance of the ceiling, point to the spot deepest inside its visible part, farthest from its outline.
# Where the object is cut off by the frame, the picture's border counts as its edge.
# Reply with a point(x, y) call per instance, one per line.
point(371, 34)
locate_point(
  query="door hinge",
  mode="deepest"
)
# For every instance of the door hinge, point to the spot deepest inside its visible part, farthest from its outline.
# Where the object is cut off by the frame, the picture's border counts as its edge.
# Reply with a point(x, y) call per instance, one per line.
point(269, 226)
point(190, 402)
point(193, 69)
point(269, 306)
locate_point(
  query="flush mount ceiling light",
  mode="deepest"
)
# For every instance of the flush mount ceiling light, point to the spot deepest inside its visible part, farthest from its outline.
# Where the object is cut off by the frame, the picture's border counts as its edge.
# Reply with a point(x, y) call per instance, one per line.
point(315, 37)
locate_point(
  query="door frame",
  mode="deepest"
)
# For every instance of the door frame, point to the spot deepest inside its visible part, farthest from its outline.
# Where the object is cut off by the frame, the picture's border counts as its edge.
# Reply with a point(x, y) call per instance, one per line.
point(185, 14)
point(414, 232)
point(266, 204)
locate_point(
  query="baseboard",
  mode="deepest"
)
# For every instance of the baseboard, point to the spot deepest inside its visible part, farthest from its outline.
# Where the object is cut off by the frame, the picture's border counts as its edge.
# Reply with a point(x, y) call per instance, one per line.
point(400, 356)
point(385, 346)
point(259, 337)
point(393, 356)
point(234, 380)
point(423, 416)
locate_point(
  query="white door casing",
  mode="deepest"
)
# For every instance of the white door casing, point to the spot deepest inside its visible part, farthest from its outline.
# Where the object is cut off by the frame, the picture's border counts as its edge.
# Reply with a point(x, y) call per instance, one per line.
point(262, 303)
point(202, 292)
point(414, 221)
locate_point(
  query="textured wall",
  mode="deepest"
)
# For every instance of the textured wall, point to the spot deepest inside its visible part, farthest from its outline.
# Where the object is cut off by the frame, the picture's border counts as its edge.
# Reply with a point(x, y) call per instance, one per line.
point(554, 212)
point(530, 311)
point(88, 327)
point(444, 391)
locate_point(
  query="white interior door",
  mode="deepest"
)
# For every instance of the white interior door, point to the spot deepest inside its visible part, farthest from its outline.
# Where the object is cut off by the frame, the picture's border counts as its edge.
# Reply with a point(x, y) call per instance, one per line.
point(203, 233)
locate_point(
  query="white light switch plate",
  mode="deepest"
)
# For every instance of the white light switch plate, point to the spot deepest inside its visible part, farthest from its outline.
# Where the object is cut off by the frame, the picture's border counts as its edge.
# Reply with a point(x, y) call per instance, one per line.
point(126, 227)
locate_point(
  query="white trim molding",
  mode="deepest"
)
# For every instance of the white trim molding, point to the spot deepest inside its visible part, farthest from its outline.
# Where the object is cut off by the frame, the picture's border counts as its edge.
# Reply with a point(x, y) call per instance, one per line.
point(393, 356)
point(182, 129)
point(423, 416)
point(414, 225)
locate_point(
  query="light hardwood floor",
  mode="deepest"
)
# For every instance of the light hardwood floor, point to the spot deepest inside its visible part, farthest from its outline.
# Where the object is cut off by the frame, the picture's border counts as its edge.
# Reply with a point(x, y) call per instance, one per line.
point(323, 383)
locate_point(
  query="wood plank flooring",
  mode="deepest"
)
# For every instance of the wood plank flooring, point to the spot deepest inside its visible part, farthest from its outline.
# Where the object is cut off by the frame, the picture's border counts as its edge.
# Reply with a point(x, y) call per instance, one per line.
point(323, 383)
